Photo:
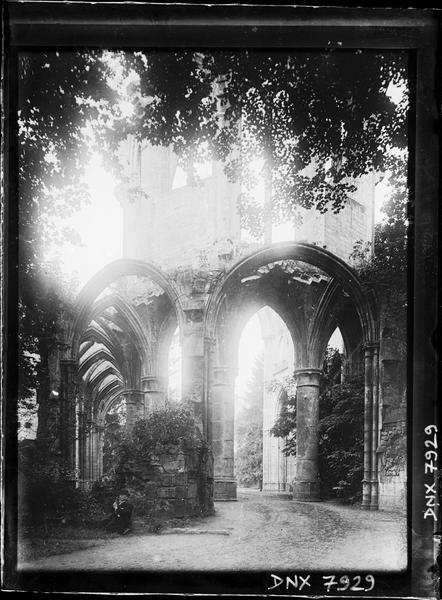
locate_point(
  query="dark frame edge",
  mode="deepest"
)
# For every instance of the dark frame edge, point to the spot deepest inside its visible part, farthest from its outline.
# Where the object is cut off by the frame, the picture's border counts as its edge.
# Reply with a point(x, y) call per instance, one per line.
point(422, 40)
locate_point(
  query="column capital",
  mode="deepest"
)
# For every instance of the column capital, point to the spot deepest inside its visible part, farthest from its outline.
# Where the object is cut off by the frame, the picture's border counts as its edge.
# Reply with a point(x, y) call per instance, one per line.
point(307, 370)
point(372, 345)
point(223, 368)
point(132, 392)
point(311, 374)
point(68, 362)
point(149, 378)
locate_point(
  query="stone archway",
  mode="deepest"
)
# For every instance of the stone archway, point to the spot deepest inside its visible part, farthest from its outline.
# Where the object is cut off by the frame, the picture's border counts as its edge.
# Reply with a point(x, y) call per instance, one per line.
point(130, 364)
point(343, 281)
point(107, 275)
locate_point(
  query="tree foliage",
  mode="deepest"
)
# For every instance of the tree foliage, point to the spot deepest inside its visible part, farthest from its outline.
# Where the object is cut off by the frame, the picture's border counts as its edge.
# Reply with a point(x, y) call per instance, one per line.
point(249, 434)
point(285, 424)
point(65, 110)
point(47, 489)
point(385, 269)
point(341, 443)
point(61, 94)
point(315, 119)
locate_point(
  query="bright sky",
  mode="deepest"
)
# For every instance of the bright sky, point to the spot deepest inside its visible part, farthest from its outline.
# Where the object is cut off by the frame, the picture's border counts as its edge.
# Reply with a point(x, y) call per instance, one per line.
point(250, 347)
point(99, 225)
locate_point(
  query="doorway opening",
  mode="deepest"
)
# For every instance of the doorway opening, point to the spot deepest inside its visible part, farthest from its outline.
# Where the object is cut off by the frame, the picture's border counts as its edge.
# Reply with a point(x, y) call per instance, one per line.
point(265, 362)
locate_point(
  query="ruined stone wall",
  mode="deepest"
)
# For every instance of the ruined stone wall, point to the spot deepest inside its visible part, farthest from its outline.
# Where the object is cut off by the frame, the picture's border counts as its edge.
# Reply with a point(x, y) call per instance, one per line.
point(339, 232)
point(179, 485)
point(392, 450)
point(172, 224)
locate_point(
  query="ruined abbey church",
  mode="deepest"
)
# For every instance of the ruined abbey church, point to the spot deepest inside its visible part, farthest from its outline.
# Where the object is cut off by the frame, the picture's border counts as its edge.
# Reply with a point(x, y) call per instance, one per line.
point(188, 270)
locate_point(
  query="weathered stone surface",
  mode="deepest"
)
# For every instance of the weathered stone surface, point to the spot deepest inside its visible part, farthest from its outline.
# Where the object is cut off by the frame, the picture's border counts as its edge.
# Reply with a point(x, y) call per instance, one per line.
point(306, 486)
point(167, 479)
point(181, 492)
point(180, 479)
point(166, 492)
point(150, 489)
point(192, 490)
point(186, 490)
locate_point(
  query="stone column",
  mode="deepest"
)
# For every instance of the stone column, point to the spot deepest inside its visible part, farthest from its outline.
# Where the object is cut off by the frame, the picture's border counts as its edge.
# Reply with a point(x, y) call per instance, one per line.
point(82, 444)
point(153, 391)
point(68, 399)
point(223, 432)
point(192, 361)
point(368, 426)
point(134, 407)
point(88, 453)
point(374, 502)
point(97, 452)
point(100, 451)
point(306, 486)
point(209, 354)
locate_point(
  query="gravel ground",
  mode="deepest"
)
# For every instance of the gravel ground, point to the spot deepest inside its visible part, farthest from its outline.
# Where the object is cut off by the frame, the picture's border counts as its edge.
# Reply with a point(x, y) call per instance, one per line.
point(256, 532)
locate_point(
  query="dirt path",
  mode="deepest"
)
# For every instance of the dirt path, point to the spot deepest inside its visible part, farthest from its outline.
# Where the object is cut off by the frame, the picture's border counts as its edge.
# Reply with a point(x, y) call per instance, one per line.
point(256, 532)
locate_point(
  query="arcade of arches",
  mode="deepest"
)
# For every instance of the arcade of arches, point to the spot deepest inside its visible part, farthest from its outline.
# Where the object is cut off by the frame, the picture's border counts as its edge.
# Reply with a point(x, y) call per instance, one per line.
point(128, 314)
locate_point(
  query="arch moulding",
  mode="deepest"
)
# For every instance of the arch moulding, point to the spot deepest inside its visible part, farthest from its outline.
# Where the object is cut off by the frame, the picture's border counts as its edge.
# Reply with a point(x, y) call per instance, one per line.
point(216, 396)
point(308, 253)
point(109, 274)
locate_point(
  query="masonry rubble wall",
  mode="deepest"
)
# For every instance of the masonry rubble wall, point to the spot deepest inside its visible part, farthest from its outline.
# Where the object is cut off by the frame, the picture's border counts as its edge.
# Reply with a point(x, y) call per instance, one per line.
point(179, 485)
point(392, 450)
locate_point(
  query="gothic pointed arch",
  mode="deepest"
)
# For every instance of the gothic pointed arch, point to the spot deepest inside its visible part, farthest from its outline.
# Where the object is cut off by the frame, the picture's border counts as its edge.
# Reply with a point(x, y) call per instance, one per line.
point(340, 271)
point(127, 318)
point(108, 275)
point(314, 301)
point(335, 309)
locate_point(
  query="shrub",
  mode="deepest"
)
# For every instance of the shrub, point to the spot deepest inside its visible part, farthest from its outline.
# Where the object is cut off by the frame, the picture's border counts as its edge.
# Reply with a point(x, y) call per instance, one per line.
point(169, 431)
point(341, 441)
point(48, 488)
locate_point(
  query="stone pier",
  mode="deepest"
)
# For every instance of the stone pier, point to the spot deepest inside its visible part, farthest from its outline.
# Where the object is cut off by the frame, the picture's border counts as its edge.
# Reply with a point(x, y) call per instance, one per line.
point(306, 486)
point(223, 433)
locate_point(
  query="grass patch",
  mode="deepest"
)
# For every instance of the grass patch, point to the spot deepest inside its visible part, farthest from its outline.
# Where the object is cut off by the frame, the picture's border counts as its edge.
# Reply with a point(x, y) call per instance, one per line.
point(29, 550)
point(37, 542)
point(40, 542)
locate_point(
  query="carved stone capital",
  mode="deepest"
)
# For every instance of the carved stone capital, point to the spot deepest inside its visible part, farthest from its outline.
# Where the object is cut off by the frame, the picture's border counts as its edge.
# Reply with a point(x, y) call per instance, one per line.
point(307, 377)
